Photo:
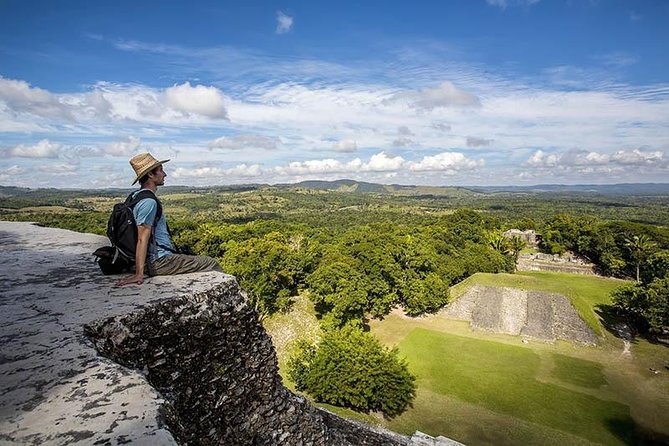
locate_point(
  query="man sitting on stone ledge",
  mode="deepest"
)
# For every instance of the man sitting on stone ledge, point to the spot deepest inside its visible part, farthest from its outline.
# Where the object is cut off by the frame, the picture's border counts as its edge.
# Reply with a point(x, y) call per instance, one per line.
point(155, 250)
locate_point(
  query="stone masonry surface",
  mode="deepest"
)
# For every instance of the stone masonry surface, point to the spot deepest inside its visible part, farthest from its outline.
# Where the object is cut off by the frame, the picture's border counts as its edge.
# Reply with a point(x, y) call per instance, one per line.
point(188, 360)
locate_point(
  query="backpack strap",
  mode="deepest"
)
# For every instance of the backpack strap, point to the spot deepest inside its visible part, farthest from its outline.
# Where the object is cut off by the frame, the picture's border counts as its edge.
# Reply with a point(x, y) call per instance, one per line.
point(141, 195)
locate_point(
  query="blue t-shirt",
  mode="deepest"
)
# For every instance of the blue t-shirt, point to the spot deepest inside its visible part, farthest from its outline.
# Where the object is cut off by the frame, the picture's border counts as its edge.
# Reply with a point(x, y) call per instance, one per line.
point(145, 214)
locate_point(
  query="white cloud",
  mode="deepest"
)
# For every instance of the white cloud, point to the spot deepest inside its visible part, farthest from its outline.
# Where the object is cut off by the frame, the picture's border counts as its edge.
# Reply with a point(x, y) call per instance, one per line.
point(125, 148)
point(42, 149)
point(240, 142)
point(584, 160)
point(20, 97)
point(445, 95)
point(345, 146)
point(218, 174)
point(246, 171)
point(201, 100)
point(542, 159)
point(382, 162)
point(637, 157)
point(324, 166)
point(12, 170)
point(58, 169)
point(284, 23)
point(446, 161)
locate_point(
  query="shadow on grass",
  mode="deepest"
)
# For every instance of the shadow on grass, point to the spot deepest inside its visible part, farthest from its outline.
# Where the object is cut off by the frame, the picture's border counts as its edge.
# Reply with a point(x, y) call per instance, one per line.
point(631, 433)
point(620, 327)
point(614, 323)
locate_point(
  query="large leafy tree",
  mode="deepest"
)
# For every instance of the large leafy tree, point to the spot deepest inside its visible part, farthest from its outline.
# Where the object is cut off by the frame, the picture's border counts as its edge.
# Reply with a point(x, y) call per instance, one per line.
point(340, 293)
point(268, 268)
point(646, 307)
point(350, 368)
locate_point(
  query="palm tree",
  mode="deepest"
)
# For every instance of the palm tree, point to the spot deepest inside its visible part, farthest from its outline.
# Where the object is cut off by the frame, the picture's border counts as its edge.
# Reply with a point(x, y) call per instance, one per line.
point(516, 244)
point(640, 247)
point(498, 242)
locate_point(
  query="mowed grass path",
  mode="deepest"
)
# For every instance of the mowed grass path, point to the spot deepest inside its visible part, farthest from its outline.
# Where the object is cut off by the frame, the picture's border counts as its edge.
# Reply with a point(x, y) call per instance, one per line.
point(503, 379)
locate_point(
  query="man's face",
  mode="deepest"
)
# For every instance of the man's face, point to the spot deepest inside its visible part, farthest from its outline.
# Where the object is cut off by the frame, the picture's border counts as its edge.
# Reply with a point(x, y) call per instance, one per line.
point(158, 176)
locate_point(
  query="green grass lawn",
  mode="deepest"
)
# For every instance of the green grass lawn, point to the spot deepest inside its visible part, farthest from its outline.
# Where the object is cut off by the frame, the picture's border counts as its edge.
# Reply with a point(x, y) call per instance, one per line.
point(491, 389)
point(584, 292)
point(578, 371)
point(503, 379)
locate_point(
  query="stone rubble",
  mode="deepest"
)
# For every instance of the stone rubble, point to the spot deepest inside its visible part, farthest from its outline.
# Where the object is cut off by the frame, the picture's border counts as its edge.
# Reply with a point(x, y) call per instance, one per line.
point(532, 314)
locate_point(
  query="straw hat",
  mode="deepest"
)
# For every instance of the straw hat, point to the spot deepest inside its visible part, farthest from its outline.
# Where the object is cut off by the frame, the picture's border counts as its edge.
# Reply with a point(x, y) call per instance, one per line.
point(143, 164)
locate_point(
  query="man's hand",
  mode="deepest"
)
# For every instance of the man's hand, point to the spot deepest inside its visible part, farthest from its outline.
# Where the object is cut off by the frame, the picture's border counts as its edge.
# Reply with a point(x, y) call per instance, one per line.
point(138, 279)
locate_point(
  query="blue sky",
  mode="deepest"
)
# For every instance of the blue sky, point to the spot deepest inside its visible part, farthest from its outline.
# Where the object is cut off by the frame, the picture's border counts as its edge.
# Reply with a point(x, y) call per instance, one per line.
point(461, 92)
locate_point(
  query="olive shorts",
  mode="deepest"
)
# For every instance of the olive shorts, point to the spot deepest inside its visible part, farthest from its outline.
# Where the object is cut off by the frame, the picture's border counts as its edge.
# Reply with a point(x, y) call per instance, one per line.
point(182, 264)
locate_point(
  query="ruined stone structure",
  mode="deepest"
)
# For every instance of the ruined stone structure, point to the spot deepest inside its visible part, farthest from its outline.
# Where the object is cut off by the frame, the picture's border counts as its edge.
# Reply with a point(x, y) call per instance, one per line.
point(531, 314)
point(184, 358)
point(530, 237)
point(566, 263)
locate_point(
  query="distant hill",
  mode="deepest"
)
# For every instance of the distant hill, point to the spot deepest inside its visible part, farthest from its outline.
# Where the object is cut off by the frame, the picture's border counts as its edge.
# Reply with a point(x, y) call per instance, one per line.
point(394, 189)
point(353, 186)
point(339, 185)
point(638, 189)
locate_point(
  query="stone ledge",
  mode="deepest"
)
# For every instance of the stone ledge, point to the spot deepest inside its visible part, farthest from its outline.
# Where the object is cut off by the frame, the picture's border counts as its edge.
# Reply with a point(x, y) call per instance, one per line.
point(193, 337)
point(54, 387)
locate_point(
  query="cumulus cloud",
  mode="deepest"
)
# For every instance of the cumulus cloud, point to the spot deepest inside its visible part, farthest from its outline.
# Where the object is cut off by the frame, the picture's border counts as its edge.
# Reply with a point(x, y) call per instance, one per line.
point(127, 147)
point(345, 146)
point(284, 22)
point(201, 100)
point(583, 159)
point(382, 162)
point(218, 173)
point(473, 141)
point(42, 149)
point(96, 104)
point(445, 95)
point(20, 97)
point(542, 159)
point(324, 166)
point(637, 157)
point(447, 162)
point(240, 142)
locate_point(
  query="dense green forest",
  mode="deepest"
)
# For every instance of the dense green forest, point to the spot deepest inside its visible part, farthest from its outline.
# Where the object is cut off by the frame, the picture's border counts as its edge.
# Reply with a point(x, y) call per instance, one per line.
point(360, 250)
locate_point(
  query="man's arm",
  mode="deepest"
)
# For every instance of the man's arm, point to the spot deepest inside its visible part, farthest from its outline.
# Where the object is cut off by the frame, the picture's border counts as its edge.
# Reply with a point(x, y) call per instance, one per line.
point(143, 236)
